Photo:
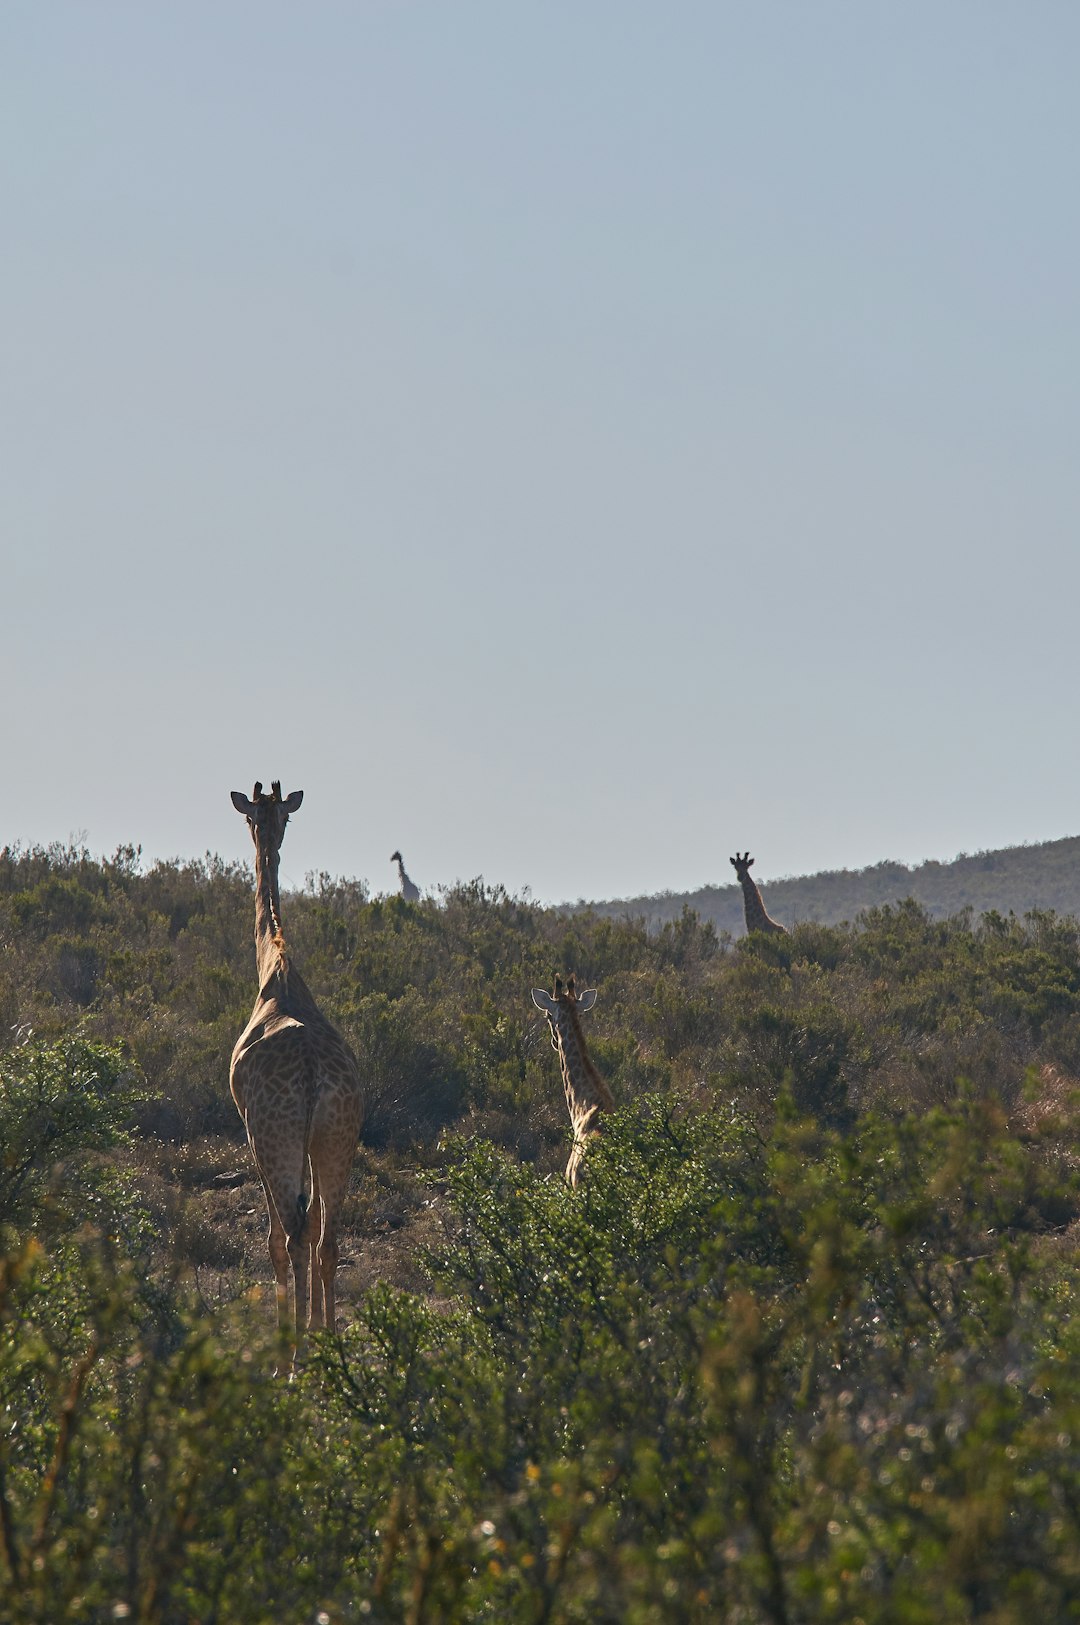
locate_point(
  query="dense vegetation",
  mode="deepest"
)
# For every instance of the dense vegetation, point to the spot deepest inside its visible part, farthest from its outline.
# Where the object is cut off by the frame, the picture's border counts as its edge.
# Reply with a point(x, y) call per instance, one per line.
point(1014, 879)
point(801, 1348)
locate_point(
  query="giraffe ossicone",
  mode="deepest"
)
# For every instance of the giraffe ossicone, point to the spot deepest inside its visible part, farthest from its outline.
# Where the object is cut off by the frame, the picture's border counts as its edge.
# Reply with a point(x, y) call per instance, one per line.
point(587, 1095)
point(297, 1088)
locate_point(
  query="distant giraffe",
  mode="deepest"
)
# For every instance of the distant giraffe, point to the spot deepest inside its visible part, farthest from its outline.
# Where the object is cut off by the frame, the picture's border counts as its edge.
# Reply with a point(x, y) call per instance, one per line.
point(297, 1087)
point(757, 917)
point(587, 1095)
point(409, 890)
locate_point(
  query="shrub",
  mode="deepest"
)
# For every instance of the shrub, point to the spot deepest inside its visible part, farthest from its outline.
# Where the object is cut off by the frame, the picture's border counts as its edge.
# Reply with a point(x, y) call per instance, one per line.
point(59, 1105)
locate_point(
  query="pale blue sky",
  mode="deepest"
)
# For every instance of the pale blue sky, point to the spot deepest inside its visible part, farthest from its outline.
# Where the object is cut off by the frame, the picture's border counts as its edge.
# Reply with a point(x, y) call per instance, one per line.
point(569, 441)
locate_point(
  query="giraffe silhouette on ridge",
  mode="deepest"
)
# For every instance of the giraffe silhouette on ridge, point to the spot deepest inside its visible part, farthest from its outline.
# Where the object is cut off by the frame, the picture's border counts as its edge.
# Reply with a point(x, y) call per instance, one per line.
point(409, 889)
point(757, 916)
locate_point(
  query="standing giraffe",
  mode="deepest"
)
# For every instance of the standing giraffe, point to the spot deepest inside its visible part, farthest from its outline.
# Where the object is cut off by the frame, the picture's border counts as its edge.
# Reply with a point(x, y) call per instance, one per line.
point(296, 1086)
point(409, 890)
point(757, 917)
point(587, 1095)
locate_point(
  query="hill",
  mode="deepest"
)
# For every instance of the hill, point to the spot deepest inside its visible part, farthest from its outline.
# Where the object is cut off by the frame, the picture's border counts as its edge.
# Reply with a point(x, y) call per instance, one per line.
point(1012, 880)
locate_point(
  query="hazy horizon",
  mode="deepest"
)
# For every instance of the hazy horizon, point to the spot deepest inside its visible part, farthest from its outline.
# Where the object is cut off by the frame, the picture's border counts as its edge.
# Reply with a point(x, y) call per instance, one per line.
point(291, 881)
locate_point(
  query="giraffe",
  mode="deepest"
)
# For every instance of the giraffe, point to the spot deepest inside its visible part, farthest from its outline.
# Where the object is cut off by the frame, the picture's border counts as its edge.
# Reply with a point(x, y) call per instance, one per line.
point(587, 1095)
point(409, 890)
point(297, 1088)
point(757, 917)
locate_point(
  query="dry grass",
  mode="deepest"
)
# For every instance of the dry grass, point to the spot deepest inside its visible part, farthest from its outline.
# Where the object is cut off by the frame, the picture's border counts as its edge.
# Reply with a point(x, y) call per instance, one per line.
point(1050, 1104)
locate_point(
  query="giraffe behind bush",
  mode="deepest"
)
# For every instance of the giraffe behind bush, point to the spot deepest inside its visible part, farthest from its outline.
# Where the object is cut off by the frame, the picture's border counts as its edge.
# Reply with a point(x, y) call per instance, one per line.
point(587, 1095)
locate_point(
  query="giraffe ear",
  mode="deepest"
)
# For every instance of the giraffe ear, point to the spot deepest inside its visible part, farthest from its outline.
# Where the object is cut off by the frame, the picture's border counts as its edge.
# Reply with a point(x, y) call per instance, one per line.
point(292, 802)
point(242, 804)
point(543, 1001)
point(587, 999)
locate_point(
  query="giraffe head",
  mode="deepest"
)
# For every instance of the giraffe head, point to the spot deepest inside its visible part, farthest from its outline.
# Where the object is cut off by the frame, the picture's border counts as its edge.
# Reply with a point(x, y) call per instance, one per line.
point(742, 863)
point(267, 815)
point(395, 857)
point(561, 1008)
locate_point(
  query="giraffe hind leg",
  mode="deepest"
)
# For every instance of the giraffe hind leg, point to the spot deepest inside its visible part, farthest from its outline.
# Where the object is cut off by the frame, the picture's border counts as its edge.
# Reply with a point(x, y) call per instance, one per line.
point(328, 1257)
point(287, 1202)
point(276, 1244)
point(333, 1146)
point(299, 1254)
point(278, 1249)
point(316, 1224)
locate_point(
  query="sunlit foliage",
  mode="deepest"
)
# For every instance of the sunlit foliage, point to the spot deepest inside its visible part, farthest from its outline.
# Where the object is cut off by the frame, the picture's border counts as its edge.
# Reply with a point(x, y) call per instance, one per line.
point(801, 1348)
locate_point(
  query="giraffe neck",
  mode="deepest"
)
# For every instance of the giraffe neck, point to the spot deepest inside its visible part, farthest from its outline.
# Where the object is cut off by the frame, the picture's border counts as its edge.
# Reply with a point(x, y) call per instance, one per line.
point(269, 941)
point(757, 918)
point(584, 1086)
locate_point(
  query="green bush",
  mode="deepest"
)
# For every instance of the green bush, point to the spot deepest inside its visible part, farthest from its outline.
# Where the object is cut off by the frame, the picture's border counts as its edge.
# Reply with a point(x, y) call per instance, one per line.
point(60, 1105)
point(801, 1348)
point(810, 1378)
point(805, 1376)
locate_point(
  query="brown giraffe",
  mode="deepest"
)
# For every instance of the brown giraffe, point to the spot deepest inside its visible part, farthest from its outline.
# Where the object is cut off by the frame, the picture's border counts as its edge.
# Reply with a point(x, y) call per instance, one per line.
point(757, 917)
point(296, 1086)
point(587, 1095)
